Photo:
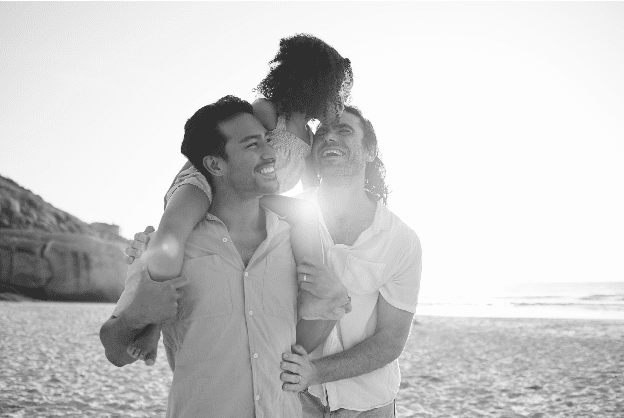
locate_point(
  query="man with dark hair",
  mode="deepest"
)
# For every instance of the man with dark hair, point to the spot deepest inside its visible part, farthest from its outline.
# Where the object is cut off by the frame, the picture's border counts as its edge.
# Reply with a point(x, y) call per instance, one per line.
point(235, 311)
point(204, 124)
point(355, 373)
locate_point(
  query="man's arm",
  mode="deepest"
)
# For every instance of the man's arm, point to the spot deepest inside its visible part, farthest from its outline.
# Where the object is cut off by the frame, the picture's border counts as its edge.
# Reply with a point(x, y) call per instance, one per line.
point(383, 347)
point(321, 314)
point(152, 303)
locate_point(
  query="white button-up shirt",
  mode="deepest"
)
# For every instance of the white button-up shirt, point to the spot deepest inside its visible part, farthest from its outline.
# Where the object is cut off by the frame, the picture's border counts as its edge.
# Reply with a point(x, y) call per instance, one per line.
point(233, 324)
point(386, 260)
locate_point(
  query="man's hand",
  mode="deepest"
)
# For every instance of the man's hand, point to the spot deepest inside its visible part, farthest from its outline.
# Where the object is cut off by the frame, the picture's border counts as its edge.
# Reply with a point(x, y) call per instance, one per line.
point(154, 302)
point(299, 371)
point(138, 245)
point(320, 280)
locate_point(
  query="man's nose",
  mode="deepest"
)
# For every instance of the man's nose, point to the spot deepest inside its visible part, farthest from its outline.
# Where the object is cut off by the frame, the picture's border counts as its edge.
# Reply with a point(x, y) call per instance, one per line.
point(330, 137)
point(268, 152)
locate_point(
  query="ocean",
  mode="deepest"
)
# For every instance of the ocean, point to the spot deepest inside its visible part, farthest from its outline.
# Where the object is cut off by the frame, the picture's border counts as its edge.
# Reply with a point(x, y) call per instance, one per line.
point(584, 300)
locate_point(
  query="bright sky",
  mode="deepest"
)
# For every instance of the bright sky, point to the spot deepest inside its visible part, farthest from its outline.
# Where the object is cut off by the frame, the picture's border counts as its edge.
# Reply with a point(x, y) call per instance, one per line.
point(501, 124)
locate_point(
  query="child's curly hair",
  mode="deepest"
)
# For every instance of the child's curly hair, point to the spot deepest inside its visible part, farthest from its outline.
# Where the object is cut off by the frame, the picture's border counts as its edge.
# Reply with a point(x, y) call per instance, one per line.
point(307, 74)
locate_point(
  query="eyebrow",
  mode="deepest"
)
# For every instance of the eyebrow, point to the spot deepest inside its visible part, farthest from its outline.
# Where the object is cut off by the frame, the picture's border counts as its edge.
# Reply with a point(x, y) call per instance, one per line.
point(338, 126)
point(251, 137)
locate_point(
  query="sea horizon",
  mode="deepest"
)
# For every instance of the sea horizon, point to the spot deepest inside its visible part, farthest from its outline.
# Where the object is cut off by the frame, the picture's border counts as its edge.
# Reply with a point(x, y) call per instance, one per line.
point(579, 300)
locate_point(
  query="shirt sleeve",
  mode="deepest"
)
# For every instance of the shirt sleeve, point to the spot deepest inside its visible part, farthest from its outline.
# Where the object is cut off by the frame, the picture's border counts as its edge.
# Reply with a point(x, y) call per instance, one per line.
point(130, 288)
point(190, 176)
point(401, 290)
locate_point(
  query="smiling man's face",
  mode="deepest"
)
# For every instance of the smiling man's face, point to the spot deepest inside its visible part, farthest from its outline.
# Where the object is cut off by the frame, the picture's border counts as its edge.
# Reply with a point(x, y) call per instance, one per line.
point(250, 158)
point(338, 149)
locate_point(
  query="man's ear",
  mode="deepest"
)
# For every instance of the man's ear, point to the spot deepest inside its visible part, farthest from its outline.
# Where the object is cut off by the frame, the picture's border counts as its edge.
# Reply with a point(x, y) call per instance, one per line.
point(215, 165)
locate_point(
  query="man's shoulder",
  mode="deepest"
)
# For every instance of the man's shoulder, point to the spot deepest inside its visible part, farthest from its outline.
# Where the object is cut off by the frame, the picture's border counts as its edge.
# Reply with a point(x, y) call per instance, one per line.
point(397, 227)
point(276, 225)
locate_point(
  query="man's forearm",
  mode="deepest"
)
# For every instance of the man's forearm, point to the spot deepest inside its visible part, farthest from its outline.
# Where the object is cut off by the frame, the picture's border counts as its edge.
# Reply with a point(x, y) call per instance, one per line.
point(369, 355)
point(116, 335)
point(312, 333)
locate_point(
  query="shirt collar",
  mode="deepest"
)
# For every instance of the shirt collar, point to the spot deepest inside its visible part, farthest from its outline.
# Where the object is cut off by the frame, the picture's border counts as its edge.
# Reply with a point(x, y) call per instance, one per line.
point(381, 222)
point(272, 221)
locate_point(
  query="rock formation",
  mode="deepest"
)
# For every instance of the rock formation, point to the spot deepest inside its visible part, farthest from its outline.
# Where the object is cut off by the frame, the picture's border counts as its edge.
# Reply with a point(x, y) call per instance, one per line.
point(46, 253)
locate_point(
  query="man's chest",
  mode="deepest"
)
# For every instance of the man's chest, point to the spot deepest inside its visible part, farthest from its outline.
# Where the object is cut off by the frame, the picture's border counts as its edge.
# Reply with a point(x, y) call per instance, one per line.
point(346, 231)
point(228, 275)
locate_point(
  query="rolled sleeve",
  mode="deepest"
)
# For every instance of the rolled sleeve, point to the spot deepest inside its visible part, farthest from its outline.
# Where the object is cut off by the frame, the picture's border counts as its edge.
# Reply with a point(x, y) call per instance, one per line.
point(401, 291)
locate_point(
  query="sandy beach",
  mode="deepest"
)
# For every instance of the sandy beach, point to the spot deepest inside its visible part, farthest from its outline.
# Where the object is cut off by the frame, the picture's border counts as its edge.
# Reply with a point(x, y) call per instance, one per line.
point(537, 368)
point(52, 364)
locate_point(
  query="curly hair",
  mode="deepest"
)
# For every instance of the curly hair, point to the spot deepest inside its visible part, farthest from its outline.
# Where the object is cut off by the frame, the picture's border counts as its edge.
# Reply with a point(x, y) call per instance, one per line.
point(305, 75)
point(375, 172)
point(202, 136)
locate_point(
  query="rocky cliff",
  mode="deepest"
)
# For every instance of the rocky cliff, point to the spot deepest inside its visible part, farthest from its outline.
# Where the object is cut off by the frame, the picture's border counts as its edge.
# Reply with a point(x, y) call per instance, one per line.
point(46, 253)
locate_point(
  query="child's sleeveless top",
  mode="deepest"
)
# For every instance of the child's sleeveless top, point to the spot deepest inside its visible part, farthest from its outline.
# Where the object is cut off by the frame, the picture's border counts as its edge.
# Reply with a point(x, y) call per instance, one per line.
point(290, 151)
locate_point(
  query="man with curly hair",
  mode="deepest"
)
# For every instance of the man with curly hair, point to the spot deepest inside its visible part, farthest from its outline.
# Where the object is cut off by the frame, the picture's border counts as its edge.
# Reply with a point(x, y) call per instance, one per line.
point(355, 373)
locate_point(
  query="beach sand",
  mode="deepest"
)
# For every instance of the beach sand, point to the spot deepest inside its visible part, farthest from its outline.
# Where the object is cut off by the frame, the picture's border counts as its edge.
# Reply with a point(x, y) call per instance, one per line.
point(52, 364)
point(483, 367)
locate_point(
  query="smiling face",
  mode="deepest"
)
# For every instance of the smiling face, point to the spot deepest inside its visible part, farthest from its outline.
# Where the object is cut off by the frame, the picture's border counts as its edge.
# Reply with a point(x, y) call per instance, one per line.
point(250, 165)
point(338, 148)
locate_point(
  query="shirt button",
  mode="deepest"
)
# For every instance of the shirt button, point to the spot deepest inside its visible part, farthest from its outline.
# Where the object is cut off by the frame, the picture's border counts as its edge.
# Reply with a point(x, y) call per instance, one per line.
point(246, 274)
point(255, 355)
point(257, 397)
point(250, 313)
point(224, 239)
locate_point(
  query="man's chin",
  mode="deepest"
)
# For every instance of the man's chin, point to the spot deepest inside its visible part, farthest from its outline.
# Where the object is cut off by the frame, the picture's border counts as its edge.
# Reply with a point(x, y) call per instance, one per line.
point(268, 187)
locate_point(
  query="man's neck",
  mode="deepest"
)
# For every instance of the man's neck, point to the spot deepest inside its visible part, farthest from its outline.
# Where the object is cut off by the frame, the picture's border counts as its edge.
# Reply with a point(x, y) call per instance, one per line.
point(346, 208)
point(342, 196)
point(238, 214)
point(245, 222)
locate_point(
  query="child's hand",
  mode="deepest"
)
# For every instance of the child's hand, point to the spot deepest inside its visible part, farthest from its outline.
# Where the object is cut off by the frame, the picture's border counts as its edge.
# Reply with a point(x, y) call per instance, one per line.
point(320, 280)
point(138, 245)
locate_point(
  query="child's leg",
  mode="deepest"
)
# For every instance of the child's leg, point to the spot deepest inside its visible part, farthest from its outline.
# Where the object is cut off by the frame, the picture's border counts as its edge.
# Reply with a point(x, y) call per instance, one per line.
point(319, 297)
point(165, 254)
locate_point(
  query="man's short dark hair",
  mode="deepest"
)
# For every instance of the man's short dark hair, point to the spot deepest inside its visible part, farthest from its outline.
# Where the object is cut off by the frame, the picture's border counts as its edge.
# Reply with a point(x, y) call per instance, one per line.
point(202, 136)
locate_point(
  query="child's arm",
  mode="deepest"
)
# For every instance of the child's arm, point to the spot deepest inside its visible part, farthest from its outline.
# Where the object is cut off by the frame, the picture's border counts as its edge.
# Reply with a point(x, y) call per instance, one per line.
point(265, 111)
point(164, 257)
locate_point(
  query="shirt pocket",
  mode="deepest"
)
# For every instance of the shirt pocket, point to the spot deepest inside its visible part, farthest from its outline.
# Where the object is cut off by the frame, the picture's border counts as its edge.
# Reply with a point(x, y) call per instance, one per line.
point(208, 292)
point(362, 277)
point(279, 290)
